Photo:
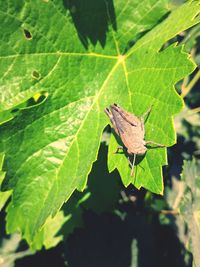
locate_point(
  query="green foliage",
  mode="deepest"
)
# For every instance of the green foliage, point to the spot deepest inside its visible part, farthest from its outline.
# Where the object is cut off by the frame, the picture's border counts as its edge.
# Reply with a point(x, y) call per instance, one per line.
point(188, 125)
point(184, 198)
point(82, 60)
point(48, 236)
point(3, 195)
point(190, 205)
point(97, 197)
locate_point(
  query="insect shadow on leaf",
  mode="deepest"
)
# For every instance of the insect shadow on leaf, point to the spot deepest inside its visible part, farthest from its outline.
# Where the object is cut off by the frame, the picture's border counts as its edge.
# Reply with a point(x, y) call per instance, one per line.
point(92, 19)
point(121, 149)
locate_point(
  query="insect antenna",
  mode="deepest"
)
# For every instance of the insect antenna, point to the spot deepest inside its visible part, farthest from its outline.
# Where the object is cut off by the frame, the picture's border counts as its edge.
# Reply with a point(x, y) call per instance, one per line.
point(133, 164)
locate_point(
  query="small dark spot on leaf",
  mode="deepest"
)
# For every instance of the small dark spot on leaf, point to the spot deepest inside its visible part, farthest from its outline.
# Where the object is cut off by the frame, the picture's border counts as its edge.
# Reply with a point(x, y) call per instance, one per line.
point(36, 75)
point(197, 16)
point(27, 34)
point(37, 99)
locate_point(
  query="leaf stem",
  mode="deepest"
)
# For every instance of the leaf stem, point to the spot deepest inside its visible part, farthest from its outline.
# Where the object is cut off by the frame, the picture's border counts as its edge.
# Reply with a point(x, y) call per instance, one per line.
point(187, 89)
point(172, 212)
point(195, 110)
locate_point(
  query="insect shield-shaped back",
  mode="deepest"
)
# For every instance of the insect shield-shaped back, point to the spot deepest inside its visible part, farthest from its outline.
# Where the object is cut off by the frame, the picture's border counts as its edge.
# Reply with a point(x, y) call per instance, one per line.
point(129, 127)
point(131, 130)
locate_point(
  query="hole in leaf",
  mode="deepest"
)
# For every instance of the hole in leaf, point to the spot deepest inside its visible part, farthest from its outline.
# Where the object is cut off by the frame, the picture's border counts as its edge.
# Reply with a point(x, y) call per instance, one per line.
point(36, 75)
point(27, 34)
point(37, 99)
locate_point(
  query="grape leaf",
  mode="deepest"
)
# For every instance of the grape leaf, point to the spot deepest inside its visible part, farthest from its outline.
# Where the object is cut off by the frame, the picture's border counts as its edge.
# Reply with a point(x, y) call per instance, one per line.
point(80, 54)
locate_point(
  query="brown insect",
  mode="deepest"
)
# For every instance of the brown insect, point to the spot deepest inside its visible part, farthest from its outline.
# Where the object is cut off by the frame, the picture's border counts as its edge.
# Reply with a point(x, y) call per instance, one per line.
point(131, 131)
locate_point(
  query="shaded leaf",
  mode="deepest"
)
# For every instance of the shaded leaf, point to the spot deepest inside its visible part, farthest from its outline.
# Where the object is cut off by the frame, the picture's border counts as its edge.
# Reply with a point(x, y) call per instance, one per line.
point(104, 187)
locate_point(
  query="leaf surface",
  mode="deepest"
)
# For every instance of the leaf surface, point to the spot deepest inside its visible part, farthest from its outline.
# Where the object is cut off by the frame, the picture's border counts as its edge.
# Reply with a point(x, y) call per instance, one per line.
point(82, 59)
point(49, 235)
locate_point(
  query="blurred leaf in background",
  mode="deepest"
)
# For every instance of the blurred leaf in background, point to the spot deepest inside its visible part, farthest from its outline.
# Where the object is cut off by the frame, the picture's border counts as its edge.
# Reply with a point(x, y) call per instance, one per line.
point(190, 205)
point(9, 253)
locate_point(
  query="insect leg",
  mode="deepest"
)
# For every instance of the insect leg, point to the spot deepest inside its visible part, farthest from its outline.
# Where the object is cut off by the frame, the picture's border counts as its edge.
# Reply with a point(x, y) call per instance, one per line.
point(154, 143)
point(146, 113)
point(133, 164)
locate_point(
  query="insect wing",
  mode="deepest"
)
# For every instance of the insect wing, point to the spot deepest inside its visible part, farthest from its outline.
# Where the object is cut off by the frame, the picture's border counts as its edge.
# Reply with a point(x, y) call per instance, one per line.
point(127, 116)
point(119, 121)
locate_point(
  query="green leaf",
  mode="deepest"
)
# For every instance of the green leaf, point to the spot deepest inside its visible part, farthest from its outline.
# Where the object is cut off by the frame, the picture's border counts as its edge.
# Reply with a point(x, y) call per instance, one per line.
point(3, 195)
point(82, 59)
point(73, 212)
point(190, 205)
point(48, 235)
